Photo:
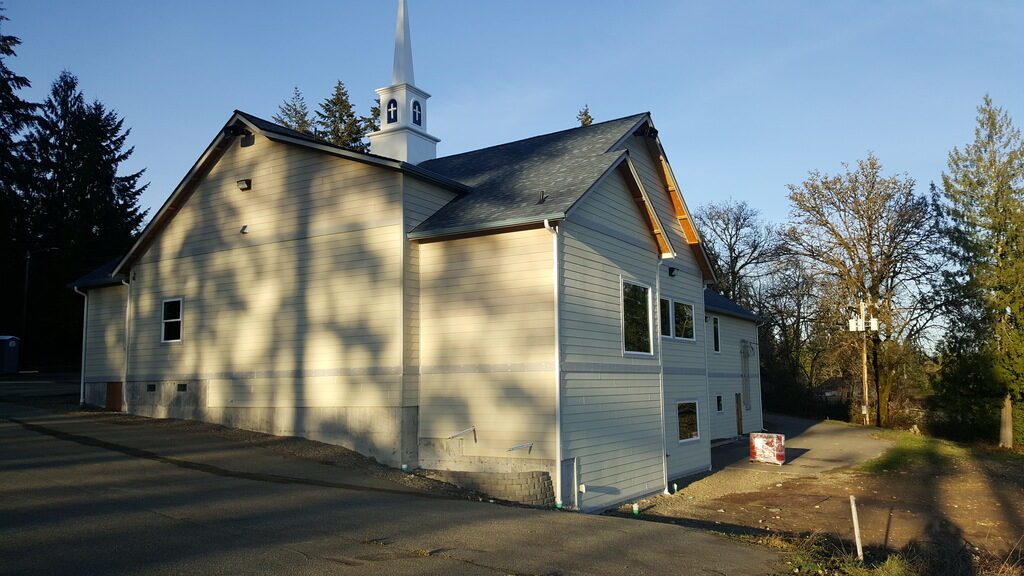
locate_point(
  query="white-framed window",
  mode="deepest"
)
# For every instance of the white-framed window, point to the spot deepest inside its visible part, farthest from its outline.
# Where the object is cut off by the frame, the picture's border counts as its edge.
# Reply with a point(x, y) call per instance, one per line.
point(719, 404)
point(636, 319)
point(676, 319)
point(689, 420)
point(170, 320)
point(716, 334)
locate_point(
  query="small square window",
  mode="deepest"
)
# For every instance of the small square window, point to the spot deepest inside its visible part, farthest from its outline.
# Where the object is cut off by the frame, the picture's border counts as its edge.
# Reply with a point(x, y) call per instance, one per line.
point(688, 428)
point(171, 321)
point(150, 387)
point(683, 320)
point(182, 387)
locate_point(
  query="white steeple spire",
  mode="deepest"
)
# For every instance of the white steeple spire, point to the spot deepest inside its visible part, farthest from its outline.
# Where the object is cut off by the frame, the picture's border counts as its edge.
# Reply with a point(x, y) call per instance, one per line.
point(402, 73)
point(403, 107)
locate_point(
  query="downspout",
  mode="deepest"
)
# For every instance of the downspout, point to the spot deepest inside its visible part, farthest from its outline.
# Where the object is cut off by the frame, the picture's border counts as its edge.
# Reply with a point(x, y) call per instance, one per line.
point(556, 282)
point(127, 345)
point(85, 338)
point(707, 379)
point(661, 380)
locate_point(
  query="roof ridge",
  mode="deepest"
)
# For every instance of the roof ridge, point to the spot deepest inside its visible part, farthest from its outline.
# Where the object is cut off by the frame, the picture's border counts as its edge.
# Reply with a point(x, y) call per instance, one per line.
point(549, 134)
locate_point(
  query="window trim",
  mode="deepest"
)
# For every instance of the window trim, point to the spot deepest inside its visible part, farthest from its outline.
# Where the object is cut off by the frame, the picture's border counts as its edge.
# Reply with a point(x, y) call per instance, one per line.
point(165, 321)
point(622, 318)
point(696, 404)
point(672, 319)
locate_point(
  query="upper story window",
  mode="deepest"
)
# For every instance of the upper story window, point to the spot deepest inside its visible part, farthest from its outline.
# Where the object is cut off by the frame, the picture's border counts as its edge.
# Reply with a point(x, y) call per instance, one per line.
point(171, 321)
point(716, 334)
point(392, 111)
point(417, 113)
point(676, 319)
point(636, 318)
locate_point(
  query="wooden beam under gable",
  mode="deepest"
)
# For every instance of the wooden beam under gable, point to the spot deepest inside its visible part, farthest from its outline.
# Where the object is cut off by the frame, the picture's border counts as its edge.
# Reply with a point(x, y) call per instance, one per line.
point(639, 194)
point(682, 213)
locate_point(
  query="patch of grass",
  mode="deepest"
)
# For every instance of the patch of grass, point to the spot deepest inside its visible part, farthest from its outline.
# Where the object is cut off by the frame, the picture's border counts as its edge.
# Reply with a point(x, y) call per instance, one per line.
point(913, 452)
point(818, 556)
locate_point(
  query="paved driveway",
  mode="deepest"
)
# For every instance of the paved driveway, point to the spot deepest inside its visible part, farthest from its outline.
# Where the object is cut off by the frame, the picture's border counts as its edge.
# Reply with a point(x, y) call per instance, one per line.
point(812, 447)
point(80, 493)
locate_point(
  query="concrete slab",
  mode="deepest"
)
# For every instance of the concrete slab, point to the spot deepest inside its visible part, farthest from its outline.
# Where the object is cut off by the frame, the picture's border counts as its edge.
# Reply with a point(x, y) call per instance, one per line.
point(812, 447)
point(80, 494)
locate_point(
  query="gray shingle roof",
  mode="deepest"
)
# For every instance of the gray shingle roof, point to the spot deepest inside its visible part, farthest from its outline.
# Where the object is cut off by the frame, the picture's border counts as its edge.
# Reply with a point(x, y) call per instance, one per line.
point(100, 277)
point(507, 181)
point(715, 302)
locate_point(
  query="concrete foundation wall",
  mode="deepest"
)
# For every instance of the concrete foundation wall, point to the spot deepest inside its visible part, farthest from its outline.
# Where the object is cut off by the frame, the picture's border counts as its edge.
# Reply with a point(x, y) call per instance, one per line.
point(532, 488)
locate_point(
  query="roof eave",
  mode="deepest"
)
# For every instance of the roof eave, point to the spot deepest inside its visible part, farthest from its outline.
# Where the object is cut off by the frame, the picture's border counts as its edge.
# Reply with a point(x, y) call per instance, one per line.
point(488, 227)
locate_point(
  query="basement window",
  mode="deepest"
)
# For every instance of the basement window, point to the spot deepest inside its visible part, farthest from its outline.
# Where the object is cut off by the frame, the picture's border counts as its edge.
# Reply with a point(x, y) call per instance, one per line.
point(687, 413)
point(171, 321)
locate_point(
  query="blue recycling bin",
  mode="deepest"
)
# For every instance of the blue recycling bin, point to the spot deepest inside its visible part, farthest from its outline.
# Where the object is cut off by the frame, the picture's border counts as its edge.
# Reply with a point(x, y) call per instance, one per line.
point(9, 348)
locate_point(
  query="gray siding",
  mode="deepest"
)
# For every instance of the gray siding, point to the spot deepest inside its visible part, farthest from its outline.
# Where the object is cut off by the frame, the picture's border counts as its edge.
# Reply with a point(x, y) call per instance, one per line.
point(487, 354)
point(725, 377)
point(611, 401)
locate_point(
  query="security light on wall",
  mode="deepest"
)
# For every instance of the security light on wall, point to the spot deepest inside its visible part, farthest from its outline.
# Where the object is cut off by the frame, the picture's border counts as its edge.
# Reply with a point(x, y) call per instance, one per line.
point(671, 271)
point(244, 230)
point(244, 184)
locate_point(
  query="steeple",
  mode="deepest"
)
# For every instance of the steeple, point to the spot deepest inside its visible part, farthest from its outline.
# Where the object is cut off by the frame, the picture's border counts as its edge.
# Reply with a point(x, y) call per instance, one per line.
point(402, 73)
point(403, 107)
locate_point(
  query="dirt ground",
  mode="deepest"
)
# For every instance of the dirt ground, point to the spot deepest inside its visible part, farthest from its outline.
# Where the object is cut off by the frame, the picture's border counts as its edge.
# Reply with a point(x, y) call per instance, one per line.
point(943, 508)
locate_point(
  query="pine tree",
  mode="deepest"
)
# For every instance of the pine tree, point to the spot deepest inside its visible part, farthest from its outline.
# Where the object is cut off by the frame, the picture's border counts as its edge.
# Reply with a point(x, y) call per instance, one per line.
point(294, 113)
point(16, 116)
point(78, 207)
point(984, 190)
point(584, 117)
point(338, 123)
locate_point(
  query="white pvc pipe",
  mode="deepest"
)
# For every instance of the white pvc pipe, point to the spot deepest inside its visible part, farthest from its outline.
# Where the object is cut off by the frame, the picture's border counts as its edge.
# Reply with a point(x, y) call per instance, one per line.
point(85, 338)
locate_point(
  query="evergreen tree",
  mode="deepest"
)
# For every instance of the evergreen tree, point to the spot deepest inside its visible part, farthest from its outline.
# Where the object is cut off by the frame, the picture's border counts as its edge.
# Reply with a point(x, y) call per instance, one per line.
point(984, 190)
point(16, 116)
point(294, 113)
point(78, 208)
point(584, 117)
point(371, 122)
point(338, 123)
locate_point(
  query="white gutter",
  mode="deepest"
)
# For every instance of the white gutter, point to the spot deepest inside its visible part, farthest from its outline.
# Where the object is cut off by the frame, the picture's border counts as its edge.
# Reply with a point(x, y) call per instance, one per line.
point(558, 364)
point(85, 338)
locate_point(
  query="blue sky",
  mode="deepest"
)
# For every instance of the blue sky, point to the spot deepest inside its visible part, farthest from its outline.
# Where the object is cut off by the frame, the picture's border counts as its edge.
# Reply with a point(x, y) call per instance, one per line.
point(748, 96)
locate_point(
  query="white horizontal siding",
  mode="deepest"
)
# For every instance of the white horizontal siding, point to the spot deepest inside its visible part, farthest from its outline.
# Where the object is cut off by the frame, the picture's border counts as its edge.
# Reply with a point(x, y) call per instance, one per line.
point(104, 336)
point(487, 345)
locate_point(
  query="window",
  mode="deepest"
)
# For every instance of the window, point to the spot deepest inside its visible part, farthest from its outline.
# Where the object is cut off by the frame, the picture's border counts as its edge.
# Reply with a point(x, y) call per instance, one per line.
point(688, 429)
point(719, 405)
point(715, 334)
point(171, 320)
point(636, 318)
point(665, 311)
point(392, 111)
point(417, 113)
point(676, 319)
point(683, 320)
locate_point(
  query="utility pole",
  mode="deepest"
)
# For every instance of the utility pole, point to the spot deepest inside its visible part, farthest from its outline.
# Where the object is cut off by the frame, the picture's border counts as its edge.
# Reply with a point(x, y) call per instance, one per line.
point(864, 325)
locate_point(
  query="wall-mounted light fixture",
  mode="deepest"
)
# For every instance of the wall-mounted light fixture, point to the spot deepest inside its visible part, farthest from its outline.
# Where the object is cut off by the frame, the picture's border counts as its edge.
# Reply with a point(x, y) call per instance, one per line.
point(244, 230)
point(244, 184)
point(671, 271)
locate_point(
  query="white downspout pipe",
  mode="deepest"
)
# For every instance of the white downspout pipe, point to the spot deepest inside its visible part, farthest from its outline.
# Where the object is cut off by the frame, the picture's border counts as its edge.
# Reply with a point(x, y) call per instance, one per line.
point(85, 338)
point(556, 278)
point(661, 375)
point(127, 345)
